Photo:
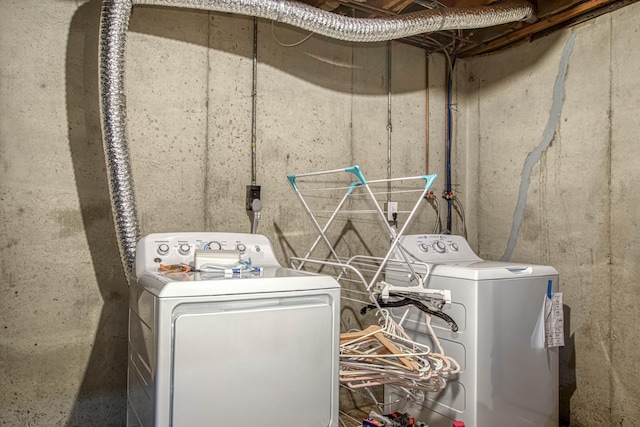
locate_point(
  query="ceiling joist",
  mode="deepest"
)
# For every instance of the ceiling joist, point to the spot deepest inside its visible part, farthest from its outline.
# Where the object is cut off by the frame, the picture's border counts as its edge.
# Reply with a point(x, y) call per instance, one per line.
point(551, 15)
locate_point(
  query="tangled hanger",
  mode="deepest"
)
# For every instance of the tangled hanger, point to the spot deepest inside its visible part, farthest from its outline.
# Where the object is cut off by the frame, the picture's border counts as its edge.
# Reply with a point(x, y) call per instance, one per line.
point(385, 354)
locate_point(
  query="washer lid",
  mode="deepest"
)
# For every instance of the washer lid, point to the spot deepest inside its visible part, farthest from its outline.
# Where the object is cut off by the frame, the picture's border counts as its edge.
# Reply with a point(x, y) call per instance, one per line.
point(272, 279)
point(490, 270)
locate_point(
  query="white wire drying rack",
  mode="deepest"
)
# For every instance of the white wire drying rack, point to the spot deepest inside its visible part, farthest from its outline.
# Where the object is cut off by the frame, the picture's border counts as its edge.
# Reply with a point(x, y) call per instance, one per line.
point(381, 354)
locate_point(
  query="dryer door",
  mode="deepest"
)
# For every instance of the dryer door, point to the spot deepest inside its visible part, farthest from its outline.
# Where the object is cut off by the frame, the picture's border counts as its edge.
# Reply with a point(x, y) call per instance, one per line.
point(265, 360)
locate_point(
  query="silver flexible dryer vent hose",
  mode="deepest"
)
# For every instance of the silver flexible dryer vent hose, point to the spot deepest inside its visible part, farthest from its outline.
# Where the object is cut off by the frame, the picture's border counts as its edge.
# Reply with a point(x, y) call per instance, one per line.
point(113, 29)
point(358, 29)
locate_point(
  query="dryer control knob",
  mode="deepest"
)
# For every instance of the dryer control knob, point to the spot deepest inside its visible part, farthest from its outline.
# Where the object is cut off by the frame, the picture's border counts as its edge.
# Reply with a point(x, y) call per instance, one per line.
point(163, 249)
point(454, 247)
point(184, 249)
point(241, 247)
point(424, 247)
point(439, 247)
point(214, 246)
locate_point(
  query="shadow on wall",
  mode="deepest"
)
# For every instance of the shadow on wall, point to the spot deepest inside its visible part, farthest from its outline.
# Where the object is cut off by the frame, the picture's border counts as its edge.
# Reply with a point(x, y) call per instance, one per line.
point(348, 238)
point(568, 381)
point(312, 62)
point(315, 63)
point(101, 398)
point(511, 65)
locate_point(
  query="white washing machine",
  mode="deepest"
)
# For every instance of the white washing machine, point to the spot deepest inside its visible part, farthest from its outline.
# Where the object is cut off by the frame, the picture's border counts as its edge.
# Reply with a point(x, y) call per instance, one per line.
point(508, 377)
point(227, 348)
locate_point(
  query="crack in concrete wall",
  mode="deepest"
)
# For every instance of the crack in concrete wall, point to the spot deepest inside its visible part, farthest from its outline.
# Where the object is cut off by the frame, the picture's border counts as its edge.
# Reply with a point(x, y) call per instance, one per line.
point(534, 157)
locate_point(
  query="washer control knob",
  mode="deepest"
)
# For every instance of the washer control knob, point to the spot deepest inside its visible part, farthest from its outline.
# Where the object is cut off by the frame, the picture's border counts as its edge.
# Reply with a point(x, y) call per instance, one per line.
point(163, 249)
point(454, 247)
point(424, 246)
point(439, 247)
point(214, 246)
point(241, 247)
point(184, 249)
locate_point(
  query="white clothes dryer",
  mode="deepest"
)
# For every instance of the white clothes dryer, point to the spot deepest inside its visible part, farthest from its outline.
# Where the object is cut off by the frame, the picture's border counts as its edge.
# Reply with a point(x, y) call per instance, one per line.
point(230, 348)
point(508, 376)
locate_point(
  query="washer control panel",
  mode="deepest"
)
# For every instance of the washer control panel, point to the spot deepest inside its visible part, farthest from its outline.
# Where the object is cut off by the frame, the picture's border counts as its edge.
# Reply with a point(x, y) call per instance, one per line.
point(437, 248)
point(180, 248)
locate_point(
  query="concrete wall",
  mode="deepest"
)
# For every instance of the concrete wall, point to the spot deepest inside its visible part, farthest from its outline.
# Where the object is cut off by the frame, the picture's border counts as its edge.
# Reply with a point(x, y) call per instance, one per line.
point(582, 209)
point(63, 294)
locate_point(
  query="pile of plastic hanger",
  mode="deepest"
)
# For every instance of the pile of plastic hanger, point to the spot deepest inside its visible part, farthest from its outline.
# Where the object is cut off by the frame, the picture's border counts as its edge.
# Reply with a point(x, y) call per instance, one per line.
point(385, 355)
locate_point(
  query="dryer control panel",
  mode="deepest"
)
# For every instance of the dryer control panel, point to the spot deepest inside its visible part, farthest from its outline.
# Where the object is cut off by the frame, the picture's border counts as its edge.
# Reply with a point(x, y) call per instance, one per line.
point(180, 248)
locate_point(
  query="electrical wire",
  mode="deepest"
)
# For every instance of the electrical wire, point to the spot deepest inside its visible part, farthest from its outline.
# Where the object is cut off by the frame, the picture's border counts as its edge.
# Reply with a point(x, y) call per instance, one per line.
point(298, 43)
point(437, 225)
point(389, 123)
point(461, 213)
